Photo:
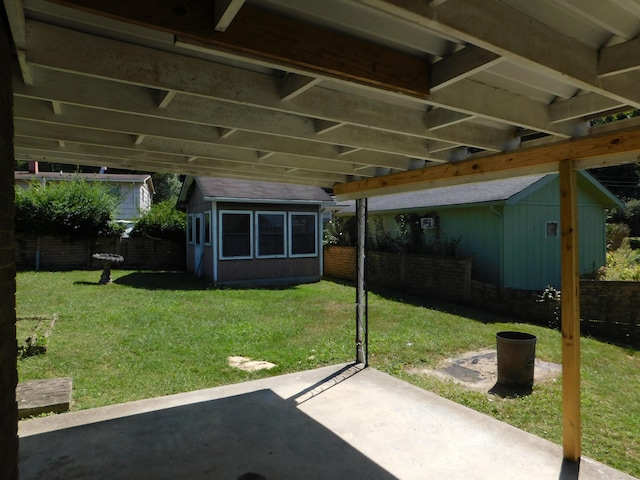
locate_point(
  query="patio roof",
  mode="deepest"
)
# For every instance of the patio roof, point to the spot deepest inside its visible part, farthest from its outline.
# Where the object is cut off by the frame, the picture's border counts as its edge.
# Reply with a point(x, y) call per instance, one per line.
point(324, 93)
point(337, 422)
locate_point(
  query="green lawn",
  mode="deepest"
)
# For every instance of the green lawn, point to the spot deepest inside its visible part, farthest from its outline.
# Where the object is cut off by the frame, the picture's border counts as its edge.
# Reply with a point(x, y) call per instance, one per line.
point(151, 334)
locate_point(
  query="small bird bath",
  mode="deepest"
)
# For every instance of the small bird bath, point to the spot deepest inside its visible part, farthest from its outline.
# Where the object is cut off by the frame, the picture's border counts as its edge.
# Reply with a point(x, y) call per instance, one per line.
point(108, 260)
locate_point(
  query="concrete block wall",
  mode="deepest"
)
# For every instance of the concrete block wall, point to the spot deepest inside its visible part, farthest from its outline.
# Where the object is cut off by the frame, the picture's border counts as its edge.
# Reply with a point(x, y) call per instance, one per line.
point(8, 345)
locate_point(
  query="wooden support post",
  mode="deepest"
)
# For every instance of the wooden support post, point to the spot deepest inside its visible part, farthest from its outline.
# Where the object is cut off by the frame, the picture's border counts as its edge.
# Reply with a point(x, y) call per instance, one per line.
point(570, 302)
point(361, 295)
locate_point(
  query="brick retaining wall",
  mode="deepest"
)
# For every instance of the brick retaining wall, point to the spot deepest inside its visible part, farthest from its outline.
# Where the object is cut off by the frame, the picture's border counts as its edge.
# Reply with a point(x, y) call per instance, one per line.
point(68, 252)
point(608, 310)
point(340, 262)
point(442, 277)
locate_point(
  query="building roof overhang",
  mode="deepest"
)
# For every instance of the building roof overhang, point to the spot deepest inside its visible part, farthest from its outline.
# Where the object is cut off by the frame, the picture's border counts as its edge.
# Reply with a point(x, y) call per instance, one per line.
point(366, 96)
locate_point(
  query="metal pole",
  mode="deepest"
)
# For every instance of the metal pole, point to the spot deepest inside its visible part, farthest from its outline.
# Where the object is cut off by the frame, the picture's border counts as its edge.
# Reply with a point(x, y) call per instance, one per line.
point(361, 292)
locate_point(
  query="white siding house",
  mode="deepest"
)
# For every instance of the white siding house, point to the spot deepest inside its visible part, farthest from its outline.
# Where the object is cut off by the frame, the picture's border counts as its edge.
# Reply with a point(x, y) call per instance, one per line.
point(135, 191)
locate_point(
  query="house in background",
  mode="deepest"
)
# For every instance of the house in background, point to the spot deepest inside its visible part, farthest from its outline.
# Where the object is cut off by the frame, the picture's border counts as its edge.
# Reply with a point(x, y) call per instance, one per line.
point(510, 228)
point(135, 191)
point(241, 231)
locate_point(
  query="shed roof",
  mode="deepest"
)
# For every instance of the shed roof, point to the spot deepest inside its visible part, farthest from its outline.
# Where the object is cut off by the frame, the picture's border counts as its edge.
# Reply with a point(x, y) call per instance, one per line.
point(507, 190)
point(238, 190)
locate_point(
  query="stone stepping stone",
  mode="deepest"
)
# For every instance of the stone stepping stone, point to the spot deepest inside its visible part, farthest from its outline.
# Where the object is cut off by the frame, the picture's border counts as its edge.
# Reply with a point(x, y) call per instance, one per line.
point(248, 365)
point(44, 396)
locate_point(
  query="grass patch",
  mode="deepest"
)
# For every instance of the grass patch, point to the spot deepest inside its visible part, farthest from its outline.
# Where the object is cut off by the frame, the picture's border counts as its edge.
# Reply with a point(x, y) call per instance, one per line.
point(151, 334)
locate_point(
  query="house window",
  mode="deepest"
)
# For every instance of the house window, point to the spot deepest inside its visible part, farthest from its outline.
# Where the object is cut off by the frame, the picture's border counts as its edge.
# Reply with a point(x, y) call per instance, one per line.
point(303, 241)
point(271, 234)
point(235, 234)
point(190, 228)
point(207, 228)
point(551, 229)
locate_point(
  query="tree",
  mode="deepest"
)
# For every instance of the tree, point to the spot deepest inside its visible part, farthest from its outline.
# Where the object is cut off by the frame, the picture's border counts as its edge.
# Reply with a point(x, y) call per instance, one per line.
point(163, 220)
point(167, 187)
point(622, 180)
point(66, 207)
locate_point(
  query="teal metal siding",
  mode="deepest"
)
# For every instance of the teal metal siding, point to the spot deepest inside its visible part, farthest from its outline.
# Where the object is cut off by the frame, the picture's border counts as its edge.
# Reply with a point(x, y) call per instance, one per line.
point(532, 259)
point(507, 240)
point(479, 230)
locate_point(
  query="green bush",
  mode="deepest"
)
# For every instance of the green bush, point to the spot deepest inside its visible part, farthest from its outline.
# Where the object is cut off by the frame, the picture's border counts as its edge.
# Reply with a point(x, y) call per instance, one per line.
point(163, 220)
point(630, 215)
point(341, 231)
point(66, 207)
point(622, 264)
point(616, 233)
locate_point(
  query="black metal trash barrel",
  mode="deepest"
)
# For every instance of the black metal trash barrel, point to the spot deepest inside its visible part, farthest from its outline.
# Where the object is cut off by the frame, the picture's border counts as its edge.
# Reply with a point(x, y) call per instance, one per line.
point(516, 358)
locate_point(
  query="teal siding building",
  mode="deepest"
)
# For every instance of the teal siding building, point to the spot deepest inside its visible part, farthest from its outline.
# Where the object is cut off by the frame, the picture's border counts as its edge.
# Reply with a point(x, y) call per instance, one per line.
point(510, 228)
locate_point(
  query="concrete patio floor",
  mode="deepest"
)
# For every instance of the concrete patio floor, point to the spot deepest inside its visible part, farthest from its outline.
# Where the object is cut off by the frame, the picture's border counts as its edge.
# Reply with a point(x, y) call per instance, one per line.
point(337, 422)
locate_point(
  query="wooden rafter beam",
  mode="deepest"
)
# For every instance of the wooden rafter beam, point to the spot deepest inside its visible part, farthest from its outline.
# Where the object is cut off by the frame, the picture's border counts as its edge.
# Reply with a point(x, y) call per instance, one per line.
point(461, 64)
point(620, 58)
point(283, 41)
point(292, 85)
point(101, 58)
point(597, 150)
point(224, 12)
point(497, 27)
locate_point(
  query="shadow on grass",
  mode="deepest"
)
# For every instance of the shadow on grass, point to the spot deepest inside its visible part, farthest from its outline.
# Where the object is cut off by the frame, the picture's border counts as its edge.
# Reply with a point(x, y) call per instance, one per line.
point(433, 303)
point(162, 281)
point(182, 281)
point(471, 313)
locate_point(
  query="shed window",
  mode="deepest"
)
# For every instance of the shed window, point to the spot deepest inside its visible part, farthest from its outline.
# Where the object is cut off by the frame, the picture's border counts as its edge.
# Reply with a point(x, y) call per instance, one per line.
point(271, 234)
point(235, 234)
point(303, 241)
point(552, 229)
point(207, 228)
point(198, 230)
point(190, 228)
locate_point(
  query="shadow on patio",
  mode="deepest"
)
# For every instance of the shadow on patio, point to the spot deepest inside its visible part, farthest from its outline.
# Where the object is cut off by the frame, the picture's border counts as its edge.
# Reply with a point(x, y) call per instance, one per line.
point(338, 422)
